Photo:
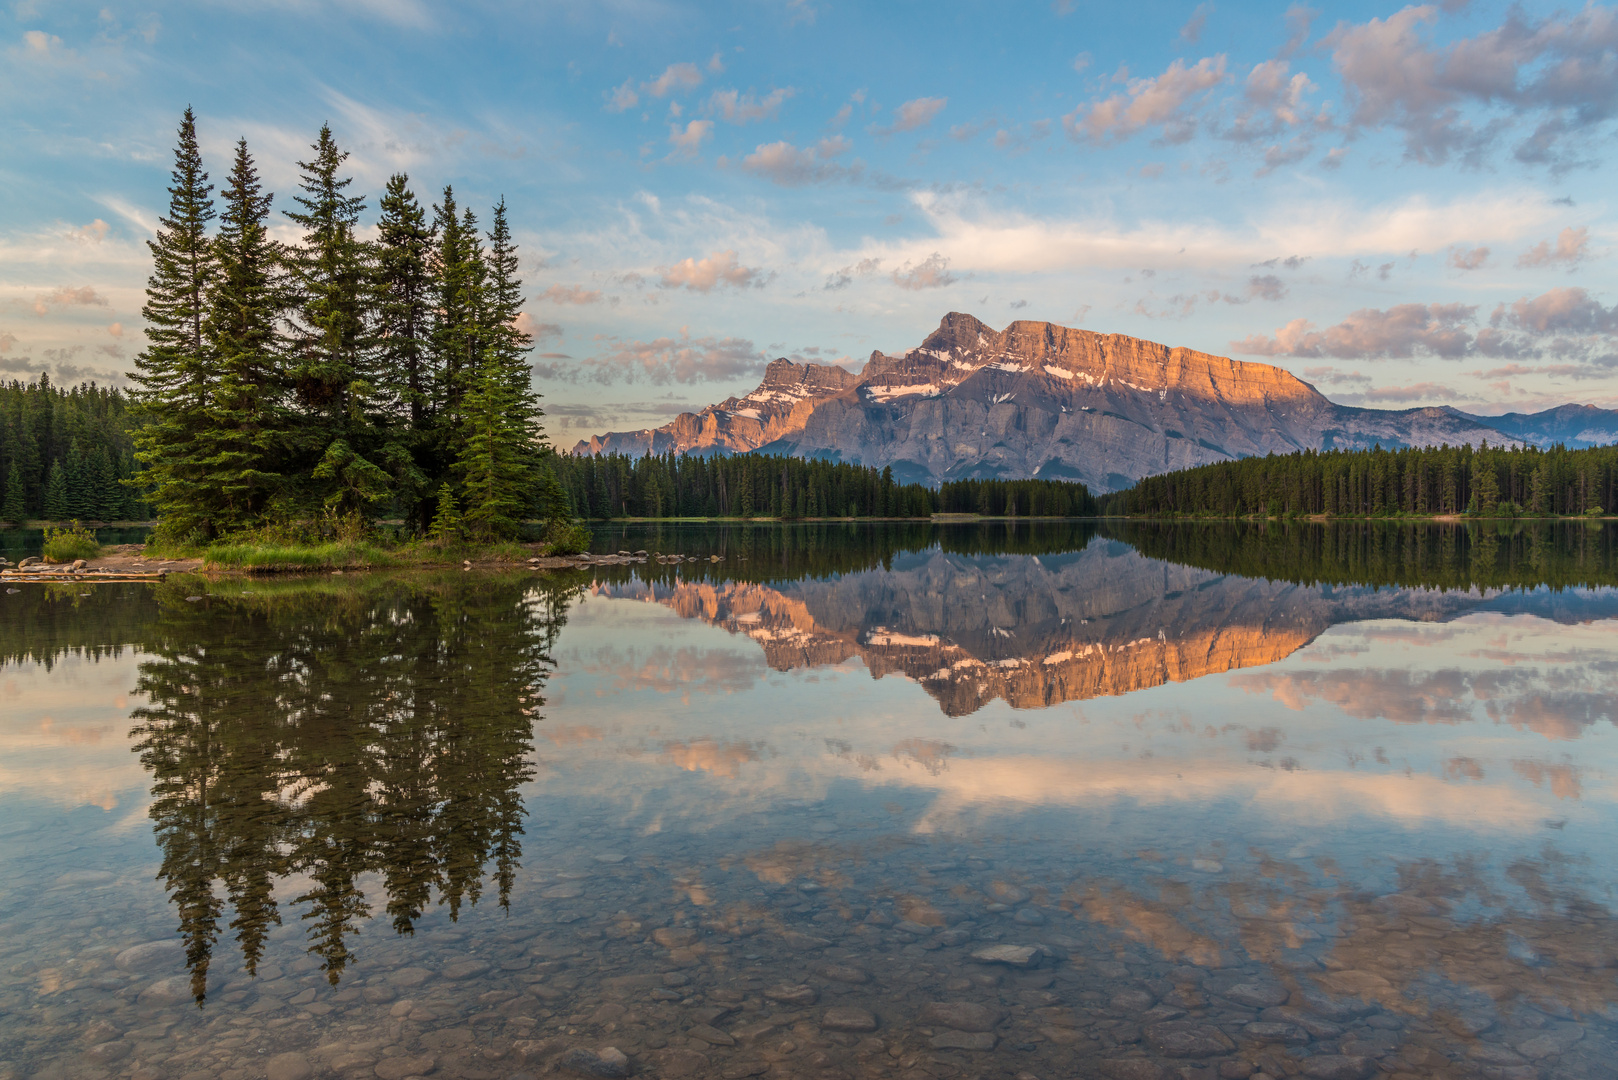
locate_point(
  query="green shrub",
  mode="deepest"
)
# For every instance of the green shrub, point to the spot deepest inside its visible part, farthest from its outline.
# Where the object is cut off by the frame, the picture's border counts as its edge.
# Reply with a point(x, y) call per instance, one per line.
point(73, 542)
point(567, 537)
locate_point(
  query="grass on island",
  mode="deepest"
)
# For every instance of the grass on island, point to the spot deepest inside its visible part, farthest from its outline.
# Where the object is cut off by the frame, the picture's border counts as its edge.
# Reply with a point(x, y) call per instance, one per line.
point(352, 546)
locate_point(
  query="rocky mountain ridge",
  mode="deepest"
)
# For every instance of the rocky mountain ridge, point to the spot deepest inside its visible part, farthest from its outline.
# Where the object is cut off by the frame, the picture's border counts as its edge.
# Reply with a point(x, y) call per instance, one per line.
point(1041, 400)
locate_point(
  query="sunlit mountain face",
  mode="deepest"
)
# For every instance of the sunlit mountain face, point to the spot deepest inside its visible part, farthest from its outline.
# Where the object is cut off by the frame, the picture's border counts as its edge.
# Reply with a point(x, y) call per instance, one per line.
point(1059, 799)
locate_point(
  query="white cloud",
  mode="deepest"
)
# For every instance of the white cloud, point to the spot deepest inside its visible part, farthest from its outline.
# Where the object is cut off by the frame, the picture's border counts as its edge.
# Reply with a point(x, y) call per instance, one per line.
point(931, 273)
point(1571, 247)
point(675, 360)
point(621, 98)
point(687, 141)
point(570, 294)
point(676, 77)
point(1160, 101)
point(789, 166)
point(913, 114)
point(737, 108)
point(704, 275)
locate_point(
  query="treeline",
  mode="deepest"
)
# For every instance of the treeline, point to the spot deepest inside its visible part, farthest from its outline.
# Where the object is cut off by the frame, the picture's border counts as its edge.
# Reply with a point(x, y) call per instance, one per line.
point(1487, 481)
point(66, 454)
point(606, 486)
point(336, 378)
point(1494, 554)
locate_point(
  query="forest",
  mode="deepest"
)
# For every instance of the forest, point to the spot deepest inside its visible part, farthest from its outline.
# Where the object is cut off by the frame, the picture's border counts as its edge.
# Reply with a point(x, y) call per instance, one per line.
point(335, 379)
point(1485, 481)
point(66, 453)
point(608, 486)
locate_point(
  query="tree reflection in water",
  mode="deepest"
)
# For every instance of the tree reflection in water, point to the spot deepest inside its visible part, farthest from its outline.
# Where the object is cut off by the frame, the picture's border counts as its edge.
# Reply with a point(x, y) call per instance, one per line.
point(331, 729)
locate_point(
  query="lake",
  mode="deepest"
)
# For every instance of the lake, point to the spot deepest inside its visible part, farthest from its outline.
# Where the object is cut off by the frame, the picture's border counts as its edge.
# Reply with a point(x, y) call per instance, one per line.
point(1040, 800)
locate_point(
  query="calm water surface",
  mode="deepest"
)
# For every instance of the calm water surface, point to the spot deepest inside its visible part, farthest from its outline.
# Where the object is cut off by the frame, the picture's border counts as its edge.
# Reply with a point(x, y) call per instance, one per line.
point(845, 802)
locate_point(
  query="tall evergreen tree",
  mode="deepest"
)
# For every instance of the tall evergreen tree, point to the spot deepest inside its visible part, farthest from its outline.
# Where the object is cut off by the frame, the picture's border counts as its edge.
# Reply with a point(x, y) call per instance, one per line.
point(172, 375)
point(14, 508)
point(403, 285)
point(56, 494)
point(248, 422)
point(501, 438)
point(331, 362)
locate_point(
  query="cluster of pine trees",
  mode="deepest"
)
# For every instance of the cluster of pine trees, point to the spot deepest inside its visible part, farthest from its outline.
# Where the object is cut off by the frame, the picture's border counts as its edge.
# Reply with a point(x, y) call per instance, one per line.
point(1489, 481)
point(65, 454)
point(337, 378)
point(605, 486)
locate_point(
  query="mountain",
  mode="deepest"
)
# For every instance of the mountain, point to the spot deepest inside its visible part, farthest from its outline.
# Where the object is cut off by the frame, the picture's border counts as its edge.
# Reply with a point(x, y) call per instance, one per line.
point(1574, 426)
point(1037, 399)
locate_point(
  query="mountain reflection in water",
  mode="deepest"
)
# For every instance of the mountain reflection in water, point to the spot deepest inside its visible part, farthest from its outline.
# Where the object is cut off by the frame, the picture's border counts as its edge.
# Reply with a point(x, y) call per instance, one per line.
point(1104, 620)
point(1140, 801)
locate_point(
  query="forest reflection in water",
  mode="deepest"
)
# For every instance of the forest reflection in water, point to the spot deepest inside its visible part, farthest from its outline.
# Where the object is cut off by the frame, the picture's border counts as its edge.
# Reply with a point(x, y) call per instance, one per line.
point(333, 731)
point(692, 810)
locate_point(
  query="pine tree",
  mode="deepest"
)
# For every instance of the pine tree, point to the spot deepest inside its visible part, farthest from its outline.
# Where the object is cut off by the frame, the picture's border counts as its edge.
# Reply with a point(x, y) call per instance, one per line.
point(403, 295)
point(108, 495)
point(14, 509)
point(332, 372)
point(248, 424)
point(501, 436)
point(174, 384)
point(56, 497)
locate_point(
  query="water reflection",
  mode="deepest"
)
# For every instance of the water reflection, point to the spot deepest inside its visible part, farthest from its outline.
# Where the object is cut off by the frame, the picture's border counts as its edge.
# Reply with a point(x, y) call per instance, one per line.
point(323, 733)
point(1349, 812)
point(1035, 630)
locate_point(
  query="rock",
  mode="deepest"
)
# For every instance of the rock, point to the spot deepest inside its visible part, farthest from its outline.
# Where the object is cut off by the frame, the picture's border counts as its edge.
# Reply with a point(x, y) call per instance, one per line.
point(1109, 409)
point(192, 599)
point(24, 563)
point(1234, 1070)
point(1493, 1054)
point(792, 995)
point(567, 890)
point(289, 1066)
point(1014, 955)
point(847, 1018)
point(464, 969)
point(407, 977)
point(78, 564)
point(378, 995)
point(1134, 1069)
point(1290, 1034)
point(1188, 1039)
point(1339, 1067)
point(1257, 995)
point(682, 1062)
point(397, 1068)
point(916, 928)
point(962, 1040)
point(172, 990)
point(1208, 866)
point(152, 956)
point(674, 937)
point(844, 973)
point(1029, 916)
point(1006, 893)
point(106, 1053)
point(1552, 1042)
point(1131, 1001)
point(710, 1035)
point(1314, 1025)
point(961, 1015)
point(609, 1061)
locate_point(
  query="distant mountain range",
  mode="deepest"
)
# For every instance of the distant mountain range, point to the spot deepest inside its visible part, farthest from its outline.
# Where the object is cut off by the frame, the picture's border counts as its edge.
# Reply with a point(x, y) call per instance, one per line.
point(1037, 399)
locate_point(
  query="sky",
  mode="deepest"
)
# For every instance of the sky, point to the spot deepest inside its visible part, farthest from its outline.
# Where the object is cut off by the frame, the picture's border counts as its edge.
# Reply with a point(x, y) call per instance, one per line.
point(1402, 205)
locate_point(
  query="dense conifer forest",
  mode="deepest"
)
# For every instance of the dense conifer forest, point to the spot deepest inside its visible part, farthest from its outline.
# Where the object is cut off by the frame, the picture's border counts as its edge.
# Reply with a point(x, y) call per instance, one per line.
point(321, 384)
point(1488, 481)
point(65, 454)
point(607, 486)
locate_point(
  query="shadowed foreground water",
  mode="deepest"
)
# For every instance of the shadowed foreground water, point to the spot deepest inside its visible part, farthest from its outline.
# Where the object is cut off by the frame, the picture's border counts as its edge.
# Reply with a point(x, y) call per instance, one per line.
point(848, 802)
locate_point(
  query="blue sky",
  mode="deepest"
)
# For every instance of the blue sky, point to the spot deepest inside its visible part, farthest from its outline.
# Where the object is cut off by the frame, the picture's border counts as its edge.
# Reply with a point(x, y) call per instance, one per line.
point(1402, 205)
